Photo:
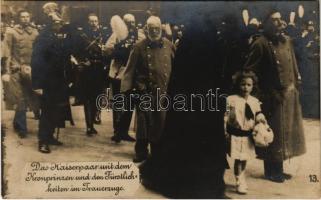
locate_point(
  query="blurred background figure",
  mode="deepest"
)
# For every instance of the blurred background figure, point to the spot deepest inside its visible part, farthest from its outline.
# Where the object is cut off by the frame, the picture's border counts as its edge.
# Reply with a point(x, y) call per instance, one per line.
point(232, 44)
point(308, 47)
point(19, 41)
point(118, 47)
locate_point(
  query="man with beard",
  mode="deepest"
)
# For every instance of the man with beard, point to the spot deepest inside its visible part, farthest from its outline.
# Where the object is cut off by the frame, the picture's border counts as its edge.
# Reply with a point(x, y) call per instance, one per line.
point(272, 58)
point(118, 49)
point(50, 61)
point(147, 73)
point(90, 68)
point(192, 158)
point(20, 40)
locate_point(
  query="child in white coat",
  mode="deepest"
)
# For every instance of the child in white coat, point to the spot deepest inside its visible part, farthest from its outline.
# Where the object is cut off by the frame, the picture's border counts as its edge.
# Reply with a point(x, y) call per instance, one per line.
point(243, 112)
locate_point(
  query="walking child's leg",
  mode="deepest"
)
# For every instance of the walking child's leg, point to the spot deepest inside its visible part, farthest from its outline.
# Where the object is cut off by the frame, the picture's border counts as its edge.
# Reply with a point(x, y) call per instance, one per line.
point(237, 167)
point(243, 163)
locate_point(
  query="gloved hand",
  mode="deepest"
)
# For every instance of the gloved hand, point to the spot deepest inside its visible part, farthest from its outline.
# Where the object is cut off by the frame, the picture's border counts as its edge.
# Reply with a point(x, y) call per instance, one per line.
point(38, 91)
point(5, 78)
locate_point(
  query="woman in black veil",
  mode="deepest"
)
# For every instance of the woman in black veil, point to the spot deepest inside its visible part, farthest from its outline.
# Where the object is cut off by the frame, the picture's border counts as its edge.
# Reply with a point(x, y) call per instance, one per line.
point(192, 158)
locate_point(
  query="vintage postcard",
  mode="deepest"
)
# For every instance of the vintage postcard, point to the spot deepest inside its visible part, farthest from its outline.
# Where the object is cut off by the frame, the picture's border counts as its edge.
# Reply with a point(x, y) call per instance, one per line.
point(160, 99)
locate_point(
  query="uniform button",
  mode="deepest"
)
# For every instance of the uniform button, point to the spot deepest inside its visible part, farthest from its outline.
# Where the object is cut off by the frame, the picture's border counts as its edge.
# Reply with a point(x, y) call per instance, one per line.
point(149, 56)
point(277, 62)
point(149, 64)
point(165, 74)
point(165, 64)
point(274, 51)
point(150, 74)
point(148, 47)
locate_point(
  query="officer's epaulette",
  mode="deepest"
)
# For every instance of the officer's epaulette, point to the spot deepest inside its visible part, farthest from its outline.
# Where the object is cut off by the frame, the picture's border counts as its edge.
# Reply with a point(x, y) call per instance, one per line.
point(17, 26)
point(105, 27)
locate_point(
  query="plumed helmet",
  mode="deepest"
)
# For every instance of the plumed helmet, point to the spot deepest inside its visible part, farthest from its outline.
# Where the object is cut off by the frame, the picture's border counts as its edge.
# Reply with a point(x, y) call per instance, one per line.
point(119, 27)
point(129, 17)
point(50, 8)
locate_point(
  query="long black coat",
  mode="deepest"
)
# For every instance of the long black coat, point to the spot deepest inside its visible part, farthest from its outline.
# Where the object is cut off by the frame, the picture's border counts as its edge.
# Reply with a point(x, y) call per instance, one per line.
point(49, 63)
point(192, 159)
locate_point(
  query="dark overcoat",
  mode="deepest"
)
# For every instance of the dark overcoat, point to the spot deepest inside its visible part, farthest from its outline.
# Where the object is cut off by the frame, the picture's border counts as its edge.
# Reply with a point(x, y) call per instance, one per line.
point(89, 76)
point(148, 71)
point(49, 63)
point(275, 65)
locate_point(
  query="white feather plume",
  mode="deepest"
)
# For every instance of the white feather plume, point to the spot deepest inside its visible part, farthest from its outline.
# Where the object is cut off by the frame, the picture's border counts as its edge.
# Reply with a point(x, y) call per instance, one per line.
point(246, 16)
point(300, 11)
point(119, 27)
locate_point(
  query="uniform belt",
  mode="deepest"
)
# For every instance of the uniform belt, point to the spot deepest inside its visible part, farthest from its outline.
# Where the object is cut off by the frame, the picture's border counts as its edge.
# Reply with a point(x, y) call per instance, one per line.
point(238, 132)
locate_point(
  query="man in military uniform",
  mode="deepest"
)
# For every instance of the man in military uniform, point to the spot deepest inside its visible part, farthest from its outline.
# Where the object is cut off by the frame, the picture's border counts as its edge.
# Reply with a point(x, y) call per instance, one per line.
point(119, 51)
point(90, 68)
point(20, 39)
point(308, 53)
point(50, 62)
point(147, 73)
point(272, 58)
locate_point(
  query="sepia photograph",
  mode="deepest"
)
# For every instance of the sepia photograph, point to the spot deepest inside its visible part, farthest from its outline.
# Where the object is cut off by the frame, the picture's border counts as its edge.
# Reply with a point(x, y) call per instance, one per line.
point(160, 99)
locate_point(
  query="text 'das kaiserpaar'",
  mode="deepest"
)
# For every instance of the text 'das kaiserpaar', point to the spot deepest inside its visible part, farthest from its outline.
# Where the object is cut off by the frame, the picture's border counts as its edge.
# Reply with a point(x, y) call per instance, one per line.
point(80, 179)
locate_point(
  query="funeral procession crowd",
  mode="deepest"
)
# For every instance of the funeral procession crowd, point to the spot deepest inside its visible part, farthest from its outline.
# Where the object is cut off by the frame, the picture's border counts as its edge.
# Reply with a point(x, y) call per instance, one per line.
point(258, 67)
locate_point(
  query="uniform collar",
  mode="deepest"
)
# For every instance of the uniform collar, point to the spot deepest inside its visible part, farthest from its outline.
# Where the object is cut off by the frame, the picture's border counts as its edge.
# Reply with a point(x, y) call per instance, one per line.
point(155, 44)
point(88, 29)
point(276, 38)
point(21, 30)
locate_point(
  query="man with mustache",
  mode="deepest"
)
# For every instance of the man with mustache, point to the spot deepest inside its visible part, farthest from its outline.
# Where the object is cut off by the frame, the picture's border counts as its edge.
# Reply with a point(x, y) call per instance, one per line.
point(147, 72)
point(20, 40)
point(90, 69)
point(50, 62)
point(272, 58)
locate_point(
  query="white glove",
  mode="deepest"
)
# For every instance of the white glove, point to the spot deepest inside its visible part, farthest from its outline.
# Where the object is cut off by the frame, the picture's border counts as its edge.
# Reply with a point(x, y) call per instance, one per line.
point(39, 91)
point(5, 78)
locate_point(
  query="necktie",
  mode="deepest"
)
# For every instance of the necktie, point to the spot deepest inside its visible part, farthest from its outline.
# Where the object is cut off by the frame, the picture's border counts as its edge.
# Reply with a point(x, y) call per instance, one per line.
point(248, 112)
